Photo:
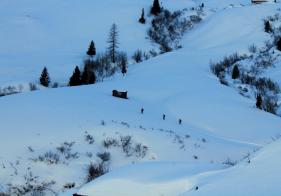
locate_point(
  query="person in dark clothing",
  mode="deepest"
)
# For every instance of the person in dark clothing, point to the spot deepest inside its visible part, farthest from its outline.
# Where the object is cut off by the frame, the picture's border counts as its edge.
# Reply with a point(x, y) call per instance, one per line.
point(142, 110)
point(164, 116)
point(180, 121)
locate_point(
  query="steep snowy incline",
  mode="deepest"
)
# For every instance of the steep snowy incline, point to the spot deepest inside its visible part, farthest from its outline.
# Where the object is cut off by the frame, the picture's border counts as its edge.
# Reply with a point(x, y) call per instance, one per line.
point(259, 177)
point(153, 179)
point(218, 123)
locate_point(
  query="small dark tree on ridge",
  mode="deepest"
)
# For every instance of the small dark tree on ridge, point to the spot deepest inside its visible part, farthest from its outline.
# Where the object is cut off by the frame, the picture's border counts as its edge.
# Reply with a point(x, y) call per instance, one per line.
point(142, 19)
point(155, 9)
point(45, 79)
point(75, 79)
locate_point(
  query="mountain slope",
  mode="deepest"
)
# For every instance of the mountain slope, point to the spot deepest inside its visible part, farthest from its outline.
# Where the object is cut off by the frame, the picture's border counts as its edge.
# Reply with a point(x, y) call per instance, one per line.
point(218, 123)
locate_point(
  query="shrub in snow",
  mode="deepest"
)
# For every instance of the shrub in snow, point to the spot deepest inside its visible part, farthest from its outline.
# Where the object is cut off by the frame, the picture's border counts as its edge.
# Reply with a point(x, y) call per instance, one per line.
point(220, 68)
point(9, 90)
point(89, 138)
point(69, 185)
point(140, 150)
point(138, 56)
point(126, 144)
point(32, 87)
point(55, 85)
point(45, 79)
point(105, 156)
point(195, 157)
point(49, 158)
point(167, 29)
point(264, 59)
point(102, 65)
point(103, 123)
point(229, 162)
point(95, 171)
point(270, 104)
point(223, 81)
point(31, 186)
point(252, 48)
point(109, 142)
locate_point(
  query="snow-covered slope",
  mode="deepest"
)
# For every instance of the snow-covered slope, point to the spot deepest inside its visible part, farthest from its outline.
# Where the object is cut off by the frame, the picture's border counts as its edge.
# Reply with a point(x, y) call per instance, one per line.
point(218, 123)
point(56, 34)
point(259, 176)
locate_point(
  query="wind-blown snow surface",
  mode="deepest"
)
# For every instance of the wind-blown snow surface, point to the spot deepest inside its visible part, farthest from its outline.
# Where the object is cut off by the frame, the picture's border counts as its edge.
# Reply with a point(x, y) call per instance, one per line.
point(259, 177)
point(218, 123)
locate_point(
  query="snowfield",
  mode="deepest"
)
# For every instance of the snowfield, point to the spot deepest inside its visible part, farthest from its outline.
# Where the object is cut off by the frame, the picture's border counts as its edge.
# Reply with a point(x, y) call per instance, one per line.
point(183, 178)
point(52, 135)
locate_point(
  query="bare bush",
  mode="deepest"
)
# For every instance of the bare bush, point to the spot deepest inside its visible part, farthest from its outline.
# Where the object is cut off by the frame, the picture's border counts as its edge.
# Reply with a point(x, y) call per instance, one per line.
point(104, 156)
point(229, 162)
point(138, 56)
point(126, 144)
point(31, 186)
point(140, 150)
point(95, 171)
point(109, 142)
point(167, 28)
point(253, 48)
point(49, 158)
point(89, 138)
point(32, 87)
point(221, 67)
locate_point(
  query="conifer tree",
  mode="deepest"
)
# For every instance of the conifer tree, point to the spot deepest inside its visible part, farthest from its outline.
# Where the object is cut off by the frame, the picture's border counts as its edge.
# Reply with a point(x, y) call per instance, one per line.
point(142, 19)
point(235, 72)
point(45, 79)
point(92, 49)
point(113, 43)
point(279, 44)
point(124, 69)
point(88, 76)
point(75, 79)
point(155, 9)
point(267, 27)
point(259, 101)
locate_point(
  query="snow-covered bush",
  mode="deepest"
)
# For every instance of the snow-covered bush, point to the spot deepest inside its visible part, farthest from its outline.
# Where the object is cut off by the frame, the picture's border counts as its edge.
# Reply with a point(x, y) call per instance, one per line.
point(32, 87)
point(49, 158)
point(140, 150)
point(221, 67)
point(138, 56)
point(110, 142)
point(104, 156)
point(31, 186)
point(95, 170)
point(167, 28)
point(89, 138)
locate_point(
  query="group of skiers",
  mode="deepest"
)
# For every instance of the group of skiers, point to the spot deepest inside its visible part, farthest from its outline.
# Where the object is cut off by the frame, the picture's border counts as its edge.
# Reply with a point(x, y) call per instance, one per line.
point(163, 116)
